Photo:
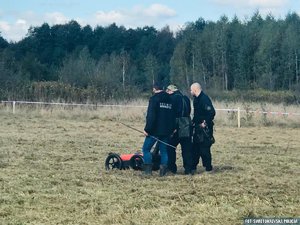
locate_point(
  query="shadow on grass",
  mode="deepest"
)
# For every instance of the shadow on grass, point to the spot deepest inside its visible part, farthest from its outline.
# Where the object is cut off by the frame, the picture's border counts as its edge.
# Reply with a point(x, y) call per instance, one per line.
point(216, 169)
point(220, 169)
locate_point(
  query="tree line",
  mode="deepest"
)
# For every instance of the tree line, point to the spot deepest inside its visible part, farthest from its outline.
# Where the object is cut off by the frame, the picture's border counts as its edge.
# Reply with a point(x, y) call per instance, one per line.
point(74, 63)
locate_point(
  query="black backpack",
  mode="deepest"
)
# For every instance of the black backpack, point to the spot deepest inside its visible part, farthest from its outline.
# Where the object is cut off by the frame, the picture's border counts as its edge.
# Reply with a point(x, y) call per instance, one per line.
point(184, 123)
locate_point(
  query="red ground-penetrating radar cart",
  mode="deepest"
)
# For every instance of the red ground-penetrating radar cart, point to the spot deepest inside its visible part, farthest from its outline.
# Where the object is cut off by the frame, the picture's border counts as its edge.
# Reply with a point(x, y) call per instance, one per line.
point(133, 161)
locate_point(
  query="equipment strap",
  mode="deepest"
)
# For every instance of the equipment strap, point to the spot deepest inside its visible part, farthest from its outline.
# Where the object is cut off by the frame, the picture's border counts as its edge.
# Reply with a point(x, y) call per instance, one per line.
point(155, 138)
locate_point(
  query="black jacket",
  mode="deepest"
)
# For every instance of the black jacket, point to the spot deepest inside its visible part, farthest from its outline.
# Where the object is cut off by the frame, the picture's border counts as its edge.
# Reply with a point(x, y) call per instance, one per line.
point(181, 104)
point(203, 109)
point(160, 120)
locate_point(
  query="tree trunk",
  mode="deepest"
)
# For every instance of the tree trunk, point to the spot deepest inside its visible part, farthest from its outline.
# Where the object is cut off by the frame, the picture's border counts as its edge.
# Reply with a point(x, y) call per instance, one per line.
point(123, 73)
point(193, 74)
point(296, 67)
point(153, 78)
point(270, 75)
point(225, 77)
point(204, 74)
point(187, 76)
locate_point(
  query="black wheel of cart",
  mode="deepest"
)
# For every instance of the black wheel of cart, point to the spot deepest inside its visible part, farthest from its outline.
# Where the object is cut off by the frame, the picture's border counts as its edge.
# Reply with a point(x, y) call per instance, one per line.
point(137, 162)
point(113, 161)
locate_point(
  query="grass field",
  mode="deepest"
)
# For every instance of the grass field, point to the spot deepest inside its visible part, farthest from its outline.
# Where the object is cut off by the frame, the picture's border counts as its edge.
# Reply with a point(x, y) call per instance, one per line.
point(52, 172)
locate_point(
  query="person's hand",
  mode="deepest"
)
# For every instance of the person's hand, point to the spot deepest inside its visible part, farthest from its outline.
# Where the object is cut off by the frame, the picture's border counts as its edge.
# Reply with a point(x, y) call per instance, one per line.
point(173, 133)
point(145, 133)
point(203, 124)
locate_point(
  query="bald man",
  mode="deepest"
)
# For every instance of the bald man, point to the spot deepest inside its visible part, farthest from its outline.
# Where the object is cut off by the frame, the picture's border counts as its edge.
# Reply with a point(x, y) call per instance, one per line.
point(204, 114)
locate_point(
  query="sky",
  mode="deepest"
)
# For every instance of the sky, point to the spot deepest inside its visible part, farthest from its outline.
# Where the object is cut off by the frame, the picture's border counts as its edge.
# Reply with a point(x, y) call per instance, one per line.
point(17, 16)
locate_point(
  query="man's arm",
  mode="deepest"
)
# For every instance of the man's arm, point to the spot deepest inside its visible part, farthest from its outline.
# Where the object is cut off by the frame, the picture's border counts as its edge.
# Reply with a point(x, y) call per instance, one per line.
point(188, 105)
point(151, 116)
point(210, 110)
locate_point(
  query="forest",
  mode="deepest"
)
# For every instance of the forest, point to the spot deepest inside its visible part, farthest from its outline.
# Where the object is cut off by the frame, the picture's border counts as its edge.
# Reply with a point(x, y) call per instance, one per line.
point(257, 58)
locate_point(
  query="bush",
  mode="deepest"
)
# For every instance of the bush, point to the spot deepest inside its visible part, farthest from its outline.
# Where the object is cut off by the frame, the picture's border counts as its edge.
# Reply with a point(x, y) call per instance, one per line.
point(50, 91)
point(259, 95)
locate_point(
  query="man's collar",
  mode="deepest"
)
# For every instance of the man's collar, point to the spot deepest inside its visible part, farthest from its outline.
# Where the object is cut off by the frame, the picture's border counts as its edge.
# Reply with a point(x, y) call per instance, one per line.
point(157, 91)
point(198, 95)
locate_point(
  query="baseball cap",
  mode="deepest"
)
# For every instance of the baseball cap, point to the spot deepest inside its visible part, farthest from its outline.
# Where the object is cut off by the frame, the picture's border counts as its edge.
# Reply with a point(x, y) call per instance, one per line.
point(172, 87)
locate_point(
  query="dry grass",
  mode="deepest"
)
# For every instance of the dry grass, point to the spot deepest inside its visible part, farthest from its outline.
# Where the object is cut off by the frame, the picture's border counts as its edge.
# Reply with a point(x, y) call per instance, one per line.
point(52, 172)
point(251, 114)
point(136, 110)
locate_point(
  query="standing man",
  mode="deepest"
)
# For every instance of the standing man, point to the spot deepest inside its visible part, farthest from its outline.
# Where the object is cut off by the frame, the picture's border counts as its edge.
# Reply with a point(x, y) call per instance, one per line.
point(160, 124)
point(204, 114)
point(182, 110)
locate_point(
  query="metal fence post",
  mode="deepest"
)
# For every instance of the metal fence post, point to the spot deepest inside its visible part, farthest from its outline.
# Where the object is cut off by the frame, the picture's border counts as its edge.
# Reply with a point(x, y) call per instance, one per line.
point(14, 107)
point(239, 117)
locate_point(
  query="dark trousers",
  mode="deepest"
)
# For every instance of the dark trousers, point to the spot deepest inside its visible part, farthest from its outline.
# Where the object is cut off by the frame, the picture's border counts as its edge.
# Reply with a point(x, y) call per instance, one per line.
point(201, 147)
point(186, 152)
point(204, 152)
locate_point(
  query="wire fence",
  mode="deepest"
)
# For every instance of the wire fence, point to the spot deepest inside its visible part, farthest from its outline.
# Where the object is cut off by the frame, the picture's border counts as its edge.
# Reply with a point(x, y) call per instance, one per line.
point(237, 110)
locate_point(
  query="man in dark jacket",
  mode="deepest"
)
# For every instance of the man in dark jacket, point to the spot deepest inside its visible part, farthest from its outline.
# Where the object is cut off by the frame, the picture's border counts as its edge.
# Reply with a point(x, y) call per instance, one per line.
point(204, 114)
point(160, 124)
point(182, 109)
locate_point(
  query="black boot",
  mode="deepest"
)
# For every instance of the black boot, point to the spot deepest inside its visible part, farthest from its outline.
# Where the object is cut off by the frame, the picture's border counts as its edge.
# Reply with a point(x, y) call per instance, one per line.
point(147, 169)
point(208, 168)
point(162, 170)
point(193, 171)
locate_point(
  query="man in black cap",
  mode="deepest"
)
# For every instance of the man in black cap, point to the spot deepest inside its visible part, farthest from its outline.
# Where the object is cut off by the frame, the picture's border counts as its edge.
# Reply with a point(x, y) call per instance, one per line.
point(160, 124)
point(182, 108)
point(204, 114)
